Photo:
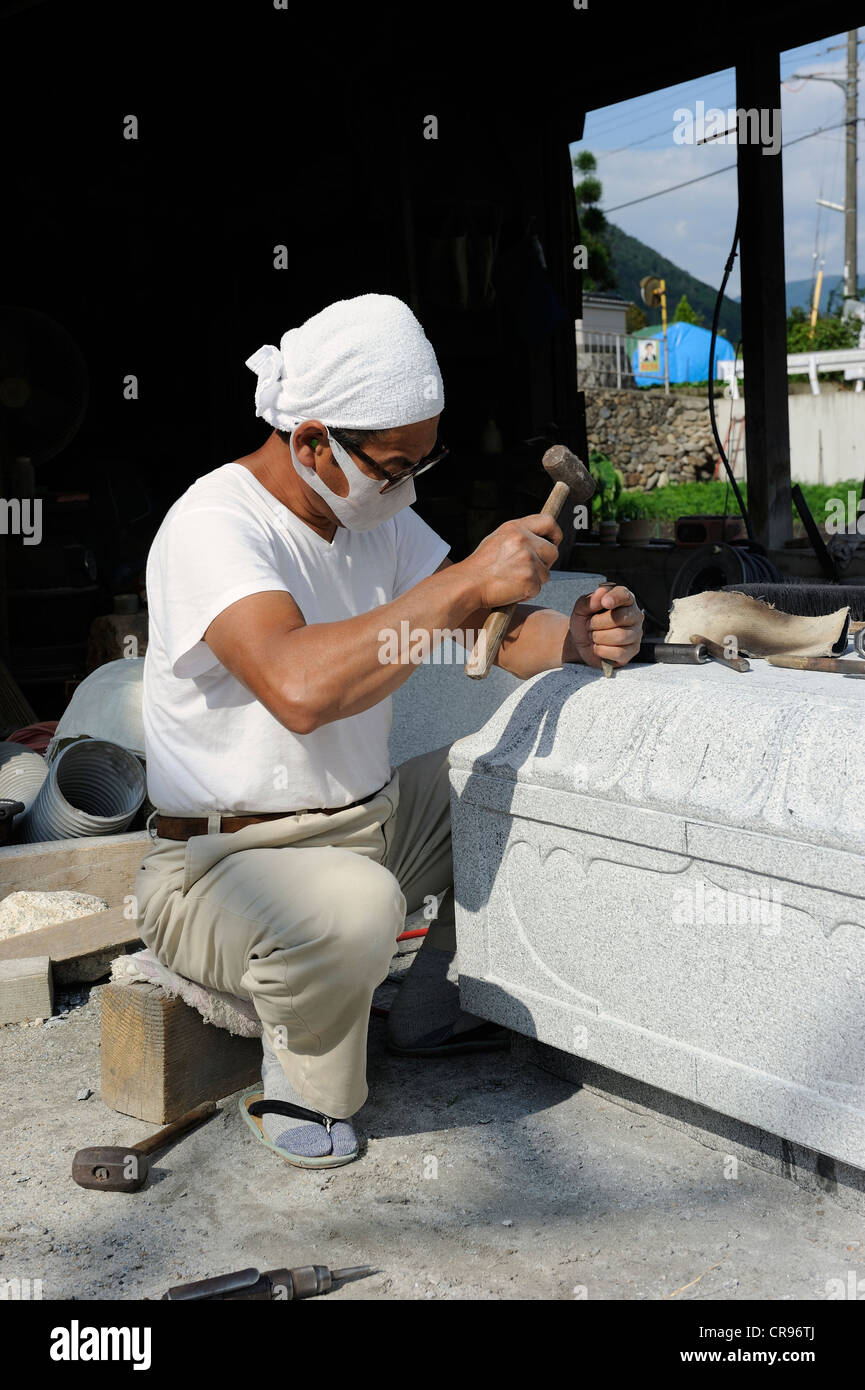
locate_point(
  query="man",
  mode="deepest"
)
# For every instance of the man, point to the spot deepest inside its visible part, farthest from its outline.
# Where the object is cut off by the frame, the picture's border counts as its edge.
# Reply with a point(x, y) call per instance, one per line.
point(286, 850)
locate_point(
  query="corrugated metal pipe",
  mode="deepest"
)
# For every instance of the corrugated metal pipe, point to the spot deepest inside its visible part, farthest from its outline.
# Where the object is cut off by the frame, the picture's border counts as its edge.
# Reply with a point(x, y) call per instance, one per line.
point(22, 773)
point(93, 788)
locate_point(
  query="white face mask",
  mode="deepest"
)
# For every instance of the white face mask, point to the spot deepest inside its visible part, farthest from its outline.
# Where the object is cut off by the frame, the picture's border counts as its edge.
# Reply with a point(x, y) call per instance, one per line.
point(364, 507)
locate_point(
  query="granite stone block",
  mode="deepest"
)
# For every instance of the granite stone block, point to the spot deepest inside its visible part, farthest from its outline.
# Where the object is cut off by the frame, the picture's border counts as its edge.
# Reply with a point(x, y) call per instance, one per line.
point(438, 703)
point(664, 874)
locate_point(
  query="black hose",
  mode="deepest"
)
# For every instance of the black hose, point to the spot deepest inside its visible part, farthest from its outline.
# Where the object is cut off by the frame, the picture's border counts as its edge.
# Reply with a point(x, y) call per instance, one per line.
point(727, 268)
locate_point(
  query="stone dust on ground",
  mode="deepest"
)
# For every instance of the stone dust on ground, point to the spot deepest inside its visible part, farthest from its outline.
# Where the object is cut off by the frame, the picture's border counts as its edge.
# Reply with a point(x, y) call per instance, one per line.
point(482, 1178)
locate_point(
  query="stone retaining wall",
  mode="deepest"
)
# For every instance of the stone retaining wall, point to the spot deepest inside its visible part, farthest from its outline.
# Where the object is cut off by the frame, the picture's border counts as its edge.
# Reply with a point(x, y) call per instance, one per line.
point(651, 438)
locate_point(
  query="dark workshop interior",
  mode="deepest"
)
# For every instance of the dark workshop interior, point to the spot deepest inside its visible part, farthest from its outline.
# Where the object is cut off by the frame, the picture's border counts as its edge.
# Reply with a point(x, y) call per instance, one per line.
point(153, 257)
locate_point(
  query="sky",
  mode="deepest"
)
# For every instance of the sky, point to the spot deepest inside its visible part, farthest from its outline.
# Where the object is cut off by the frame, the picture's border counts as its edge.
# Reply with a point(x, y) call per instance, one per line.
point(633, 144)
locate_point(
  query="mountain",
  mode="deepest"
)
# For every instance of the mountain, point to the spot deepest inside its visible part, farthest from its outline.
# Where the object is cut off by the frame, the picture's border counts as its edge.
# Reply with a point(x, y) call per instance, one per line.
point(801, 293)
point(632, 259)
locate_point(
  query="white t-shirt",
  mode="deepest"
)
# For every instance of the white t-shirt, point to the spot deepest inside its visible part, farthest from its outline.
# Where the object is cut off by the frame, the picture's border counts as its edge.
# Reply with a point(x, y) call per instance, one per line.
point(210, 744)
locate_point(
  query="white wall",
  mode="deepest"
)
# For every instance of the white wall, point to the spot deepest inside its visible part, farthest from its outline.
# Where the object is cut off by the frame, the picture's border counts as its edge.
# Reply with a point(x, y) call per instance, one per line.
point(602, 318)
point(827, 435)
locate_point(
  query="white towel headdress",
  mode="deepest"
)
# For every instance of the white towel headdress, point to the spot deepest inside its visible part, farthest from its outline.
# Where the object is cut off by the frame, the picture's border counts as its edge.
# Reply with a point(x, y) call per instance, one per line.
point(360, 363)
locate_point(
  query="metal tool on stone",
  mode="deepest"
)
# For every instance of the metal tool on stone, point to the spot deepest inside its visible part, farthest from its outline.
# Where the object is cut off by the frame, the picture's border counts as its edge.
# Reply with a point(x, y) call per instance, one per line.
point(279, 1285)
point(572, 479)
point(115, 1169)
point(836, 665)
point(673, 653)
point(736, 663)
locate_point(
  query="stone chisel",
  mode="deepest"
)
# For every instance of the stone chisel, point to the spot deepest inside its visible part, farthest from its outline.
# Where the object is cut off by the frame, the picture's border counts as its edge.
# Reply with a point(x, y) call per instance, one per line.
point(837, 665)
point(736, 663)
point(277, 1285)
point(572, 479)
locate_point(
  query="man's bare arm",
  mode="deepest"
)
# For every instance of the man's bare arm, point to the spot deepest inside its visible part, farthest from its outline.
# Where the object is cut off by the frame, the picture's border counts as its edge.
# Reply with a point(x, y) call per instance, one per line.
point(309, 675)
point(540, 639)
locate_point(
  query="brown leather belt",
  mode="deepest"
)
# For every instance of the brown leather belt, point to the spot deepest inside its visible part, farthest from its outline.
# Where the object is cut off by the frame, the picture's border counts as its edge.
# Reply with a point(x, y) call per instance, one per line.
point(184, 827)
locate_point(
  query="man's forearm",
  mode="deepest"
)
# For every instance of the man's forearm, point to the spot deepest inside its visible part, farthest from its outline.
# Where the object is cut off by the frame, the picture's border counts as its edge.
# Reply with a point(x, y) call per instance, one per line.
point(329, 671)
point(538, 639)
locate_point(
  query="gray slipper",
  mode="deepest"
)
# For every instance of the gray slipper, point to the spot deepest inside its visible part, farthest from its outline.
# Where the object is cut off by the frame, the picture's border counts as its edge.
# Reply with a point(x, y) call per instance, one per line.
point(253, 1104)
point(444, 1042)
point(426, 1019)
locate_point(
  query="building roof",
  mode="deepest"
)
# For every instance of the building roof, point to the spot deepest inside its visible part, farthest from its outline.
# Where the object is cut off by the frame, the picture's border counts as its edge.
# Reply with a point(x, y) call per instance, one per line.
point(606, 299)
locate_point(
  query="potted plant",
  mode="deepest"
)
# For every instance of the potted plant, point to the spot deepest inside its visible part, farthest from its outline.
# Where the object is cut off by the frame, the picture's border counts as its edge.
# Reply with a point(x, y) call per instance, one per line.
point(608, 485)
point(609, 527)
point(635, 529)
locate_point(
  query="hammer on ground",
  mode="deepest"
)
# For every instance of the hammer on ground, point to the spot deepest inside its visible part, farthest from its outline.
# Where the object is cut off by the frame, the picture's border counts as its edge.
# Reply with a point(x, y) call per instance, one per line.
point(116, 1169)
point(572, 479)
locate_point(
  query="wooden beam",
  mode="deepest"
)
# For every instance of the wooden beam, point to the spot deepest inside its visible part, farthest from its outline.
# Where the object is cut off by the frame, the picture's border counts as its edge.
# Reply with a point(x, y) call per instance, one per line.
point(105, 865)
point(83, 936)
point(26, 989)
point(764, 311)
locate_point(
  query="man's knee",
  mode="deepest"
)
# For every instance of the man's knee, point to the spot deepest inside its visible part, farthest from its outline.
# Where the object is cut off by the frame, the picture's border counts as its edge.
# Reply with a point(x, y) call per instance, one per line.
point(365, 909)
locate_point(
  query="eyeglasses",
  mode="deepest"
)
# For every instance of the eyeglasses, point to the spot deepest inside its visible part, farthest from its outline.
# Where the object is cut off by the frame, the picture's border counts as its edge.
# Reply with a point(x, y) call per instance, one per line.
point(394, 480)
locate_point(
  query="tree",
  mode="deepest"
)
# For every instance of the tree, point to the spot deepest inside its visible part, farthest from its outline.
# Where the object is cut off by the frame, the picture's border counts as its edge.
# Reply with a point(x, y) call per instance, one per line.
point(593, 225)
point(634, 318)
point(829, 333)
point(685, 314)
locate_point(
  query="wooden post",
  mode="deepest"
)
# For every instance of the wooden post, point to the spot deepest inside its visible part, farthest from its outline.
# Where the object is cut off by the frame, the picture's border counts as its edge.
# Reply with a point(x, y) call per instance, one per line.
point(569, 407)
point(764, 312)
point(26, 989)
point(159, 1057)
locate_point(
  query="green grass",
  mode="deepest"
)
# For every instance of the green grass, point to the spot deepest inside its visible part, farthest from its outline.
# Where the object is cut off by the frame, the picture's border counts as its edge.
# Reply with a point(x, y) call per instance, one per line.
point(686, 499)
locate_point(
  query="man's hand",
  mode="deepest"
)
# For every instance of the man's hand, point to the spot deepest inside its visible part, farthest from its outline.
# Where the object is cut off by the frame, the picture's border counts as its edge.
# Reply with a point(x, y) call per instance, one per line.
point(513, 563)
point(605, 626)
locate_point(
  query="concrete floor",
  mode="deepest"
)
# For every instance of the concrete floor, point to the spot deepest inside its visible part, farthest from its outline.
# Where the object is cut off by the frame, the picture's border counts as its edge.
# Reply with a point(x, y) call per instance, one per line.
point(541, 1192)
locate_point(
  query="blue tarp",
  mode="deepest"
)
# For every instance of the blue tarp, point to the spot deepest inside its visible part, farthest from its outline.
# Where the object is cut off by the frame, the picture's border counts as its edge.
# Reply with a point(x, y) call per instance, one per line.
point(688, 347)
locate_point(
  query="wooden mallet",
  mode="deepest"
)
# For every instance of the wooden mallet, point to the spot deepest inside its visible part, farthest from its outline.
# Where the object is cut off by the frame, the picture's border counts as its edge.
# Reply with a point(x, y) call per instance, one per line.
point(113, 1169)
point(572, 479)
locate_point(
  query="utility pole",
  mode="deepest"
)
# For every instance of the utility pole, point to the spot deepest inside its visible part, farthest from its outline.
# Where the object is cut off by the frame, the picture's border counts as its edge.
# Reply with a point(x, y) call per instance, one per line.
point(851, 281)
point(850, 88)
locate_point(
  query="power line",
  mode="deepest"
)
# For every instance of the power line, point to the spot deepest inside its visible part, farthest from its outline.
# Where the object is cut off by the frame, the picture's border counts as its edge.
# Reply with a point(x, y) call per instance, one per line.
point(725, 79)
point(613, 116)
point(727, 75)
point(607, 154)
point(713, 172)
point(667, 101)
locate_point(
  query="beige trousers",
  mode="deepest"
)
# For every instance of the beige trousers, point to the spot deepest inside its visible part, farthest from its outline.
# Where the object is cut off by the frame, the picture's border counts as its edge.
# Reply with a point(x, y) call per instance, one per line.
point(300, 915)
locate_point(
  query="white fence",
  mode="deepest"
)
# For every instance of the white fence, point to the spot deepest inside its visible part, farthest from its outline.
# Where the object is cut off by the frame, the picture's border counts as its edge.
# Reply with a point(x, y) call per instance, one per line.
point(850, 361)
point(603, 359)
